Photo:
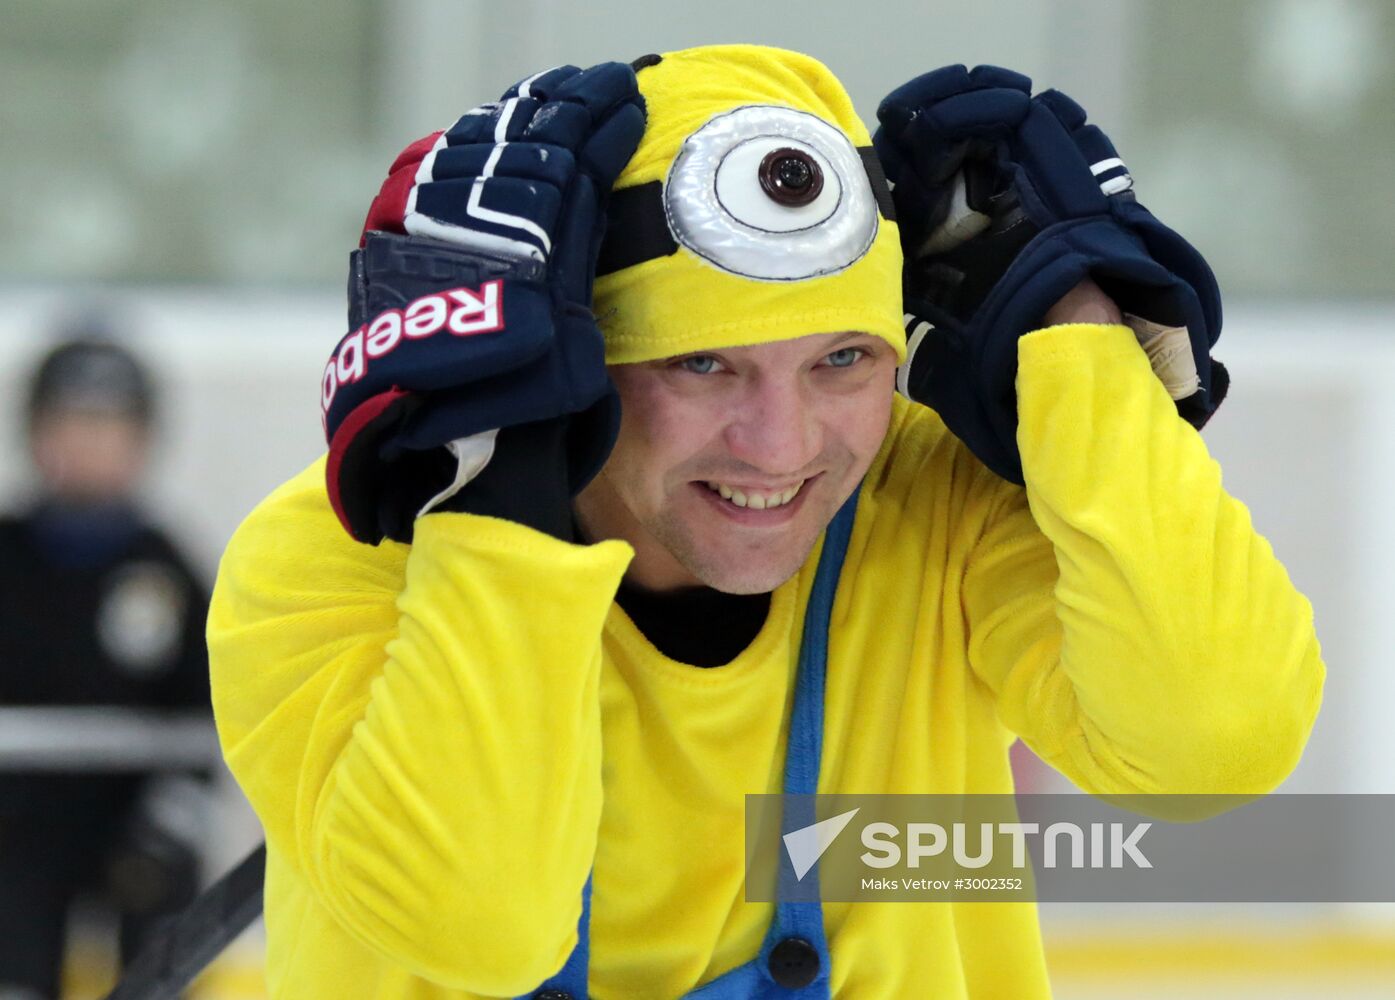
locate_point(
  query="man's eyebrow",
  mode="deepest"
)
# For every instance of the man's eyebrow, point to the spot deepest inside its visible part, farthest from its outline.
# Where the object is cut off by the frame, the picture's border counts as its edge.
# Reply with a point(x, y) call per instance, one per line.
point(849, 335)
point(675, 358)
point(828, 348)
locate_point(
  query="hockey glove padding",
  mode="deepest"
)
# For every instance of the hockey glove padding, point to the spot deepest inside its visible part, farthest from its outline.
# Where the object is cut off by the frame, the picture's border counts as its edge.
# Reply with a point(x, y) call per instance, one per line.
point(1005, 202)
point(472, 341)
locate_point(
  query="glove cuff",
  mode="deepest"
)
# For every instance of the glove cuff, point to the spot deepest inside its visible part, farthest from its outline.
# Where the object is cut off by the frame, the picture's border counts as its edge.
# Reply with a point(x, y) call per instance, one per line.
point(526, 481)
point(351, 470)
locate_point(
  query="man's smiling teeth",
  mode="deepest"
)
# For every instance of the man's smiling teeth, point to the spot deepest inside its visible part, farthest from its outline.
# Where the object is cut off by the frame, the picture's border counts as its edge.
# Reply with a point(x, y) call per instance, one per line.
point(756, 501)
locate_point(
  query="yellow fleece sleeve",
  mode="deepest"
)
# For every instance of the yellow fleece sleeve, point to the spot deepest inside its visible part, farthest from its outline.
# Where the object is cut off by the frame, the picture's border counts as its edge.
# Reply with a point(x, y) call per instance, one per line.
point(1139, 634)
point(418, 728)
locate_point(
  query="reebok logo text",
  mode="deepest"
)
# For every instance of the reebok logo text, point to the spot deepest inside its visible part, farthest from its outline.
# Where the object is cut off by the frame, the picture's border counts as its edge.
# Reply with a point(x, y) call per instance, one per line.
point(462, 311)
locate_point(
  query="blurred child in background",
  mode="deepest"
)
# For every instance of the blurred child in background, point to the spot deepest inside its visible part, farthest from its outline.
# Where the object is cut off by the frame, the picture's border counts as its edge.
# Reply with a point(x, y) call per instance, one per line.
point(97, 608)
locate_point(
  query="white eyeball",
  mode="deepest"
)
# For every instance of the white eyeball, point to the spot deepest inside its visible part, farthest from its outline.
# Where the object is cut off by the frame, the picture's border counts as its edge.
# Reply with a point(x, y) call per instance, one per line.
point(771, 193)
point(751, 190)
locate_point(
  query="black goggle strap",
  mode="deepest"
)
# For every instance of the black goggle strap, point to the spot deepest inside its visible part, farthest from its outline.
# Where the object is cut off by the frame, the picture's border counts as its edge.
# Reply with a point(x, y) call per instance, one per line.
point(637, 228)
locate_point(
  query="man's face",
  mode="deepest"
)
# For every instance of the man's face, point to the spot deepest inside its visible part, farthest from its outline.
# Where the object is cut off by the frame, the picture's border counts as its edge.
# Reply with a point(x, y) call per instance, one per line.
point(730, 463)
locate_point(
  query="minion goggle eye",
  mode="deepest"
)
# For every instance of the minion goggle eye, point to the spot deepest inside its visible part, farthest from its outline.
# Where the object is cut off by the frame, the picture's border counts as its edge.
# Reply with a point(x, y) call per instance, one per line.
point(764, 192)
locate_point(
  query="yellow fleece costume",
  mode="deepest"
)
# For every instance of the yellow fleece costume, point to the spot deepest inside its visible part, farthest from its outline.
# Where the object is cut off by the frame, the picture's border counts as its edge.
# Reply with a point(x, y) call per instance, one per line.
point(441, 739)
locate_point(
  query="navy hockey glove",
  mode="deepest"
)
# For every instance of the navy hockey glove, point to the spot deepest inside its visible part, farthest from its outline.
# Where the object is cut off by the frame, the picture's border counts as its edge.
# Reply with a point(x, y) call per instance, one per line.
point(1005, 202)
point(472, 356)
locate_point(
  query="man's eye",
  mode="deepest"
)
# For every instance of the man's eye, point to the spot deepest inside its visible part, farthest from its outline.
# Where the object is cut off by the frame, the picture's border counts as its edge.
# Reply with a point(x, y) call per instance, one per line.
point(844, 357)
point(700, 364)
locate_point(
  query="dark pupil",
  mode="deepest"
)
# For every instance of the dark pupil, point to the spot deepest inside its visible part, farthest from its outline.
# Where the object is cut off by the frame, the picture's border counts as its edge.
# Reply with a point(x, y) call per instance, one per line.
point(790, 177)
point(793, 173)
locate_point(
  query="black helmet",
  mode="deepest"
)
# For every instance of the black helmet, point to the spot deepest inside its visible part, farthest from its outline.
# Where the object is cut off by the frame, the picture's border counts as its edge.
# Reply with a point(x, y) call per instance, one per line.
point(91, 373)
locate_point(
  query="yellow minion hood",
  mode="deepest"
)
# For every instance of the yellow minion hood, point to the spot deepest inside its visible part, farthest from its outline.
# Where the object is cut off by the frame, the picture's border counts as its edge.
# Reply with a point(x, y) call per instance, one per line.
point(753, 211)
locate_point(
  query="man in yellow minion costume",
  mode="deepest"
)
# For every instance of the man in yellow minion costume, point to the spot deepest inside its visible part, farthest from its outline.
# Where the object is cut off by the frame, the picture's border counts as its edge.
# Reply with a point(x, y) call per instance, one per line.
point(625, 571)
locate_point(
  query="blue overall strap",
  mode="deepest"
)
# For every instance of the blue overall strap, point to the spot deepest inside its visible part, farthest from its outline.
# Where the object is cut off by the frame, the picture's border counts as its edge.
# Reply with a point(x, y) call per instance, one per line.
point(805, 751)
point(795, 951)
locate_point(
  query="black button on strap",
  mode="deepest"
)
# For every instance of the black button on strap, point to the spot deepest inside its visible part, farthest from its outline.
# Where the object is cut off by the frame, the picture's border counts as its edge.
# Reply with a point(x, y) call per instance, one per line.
point(552, 995)
point(794, 963)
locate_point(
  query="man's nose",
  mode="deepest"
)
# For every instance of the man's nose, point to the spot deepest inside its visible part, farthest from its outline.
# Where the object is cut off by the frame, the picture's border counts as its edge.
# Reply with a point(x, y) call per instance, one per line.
point(775, 428)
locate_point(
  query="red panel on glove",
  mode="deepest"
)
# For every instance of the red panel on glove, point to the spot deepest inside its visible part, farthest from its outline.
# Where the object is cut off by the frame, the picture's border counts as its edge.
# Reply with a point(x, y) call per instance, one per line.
point(389, 208)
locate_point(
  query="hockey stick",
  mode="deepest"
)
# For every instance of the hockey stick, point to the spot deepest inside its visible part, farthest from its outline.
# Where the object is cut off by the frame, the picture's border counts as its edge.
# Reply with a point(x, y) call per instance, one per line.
point(191, 939)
